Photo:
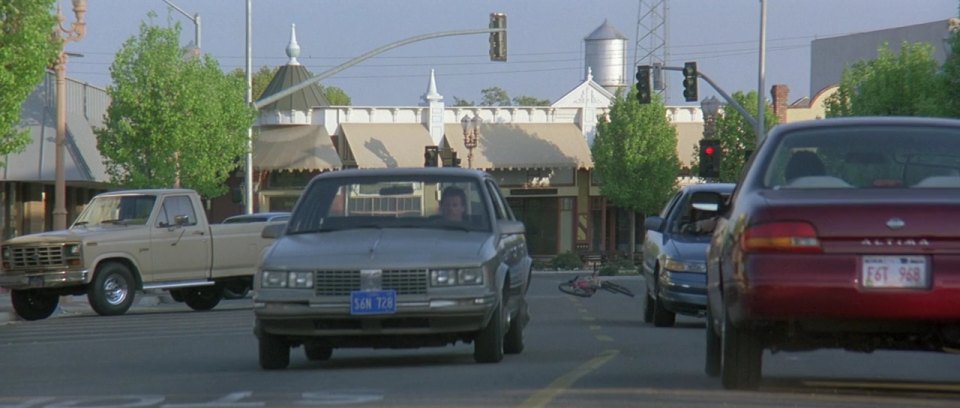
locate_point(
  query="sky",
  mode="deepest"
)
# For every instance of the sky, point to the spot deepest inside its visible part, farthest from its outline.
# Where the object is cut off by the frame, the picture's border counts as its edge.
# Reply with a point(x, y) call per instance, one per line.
point(545, 40)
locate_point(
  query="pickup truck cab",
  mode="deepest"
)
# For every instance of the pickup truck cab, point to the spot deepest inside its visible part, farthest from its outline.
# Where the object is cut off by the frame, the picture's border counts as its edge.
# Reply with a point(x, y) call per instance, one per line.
point(132, 240)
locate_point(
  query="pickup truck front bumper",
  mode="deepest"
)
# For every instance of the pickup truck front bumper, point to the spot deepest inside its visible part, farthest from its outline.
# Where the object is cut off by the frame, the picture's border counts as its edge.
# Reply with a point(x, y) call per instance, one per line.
point(18, 280)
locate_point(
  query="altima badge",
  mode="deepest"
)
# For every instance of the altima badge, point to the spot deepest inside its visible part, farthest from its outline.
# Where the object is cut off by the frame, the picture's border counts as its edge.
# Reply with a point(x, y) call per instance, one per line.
point(895, 223)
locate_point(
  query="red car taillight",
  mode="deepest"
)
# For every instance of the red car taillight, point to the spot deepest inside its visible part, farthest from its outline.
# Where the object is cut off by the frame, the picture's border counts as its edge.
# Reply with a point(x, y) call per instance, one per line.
point(780, 237)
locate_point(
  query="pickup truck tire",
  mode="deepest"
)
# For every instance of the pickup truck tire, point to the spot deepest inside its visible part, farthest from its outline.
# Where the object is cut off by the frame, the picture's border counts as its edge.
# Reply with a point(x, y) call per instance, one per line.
point(317, 352)
point(488, 347)
point(274, 352)
point(111, 291)
point(34, 304)
point(202, 297)
point(742, 357)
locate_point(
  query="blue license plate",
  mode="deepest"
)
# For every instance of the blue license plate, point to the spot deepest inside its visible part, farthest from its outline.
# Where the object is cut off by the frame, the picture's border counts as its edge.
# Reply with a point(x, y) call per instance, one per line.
point(368, 302)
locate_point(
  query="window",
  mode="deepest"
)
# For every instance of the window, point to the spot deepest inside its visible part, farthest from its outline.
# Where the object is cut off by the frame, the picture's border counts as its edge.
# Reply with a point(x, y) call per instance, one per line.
point(172, 208)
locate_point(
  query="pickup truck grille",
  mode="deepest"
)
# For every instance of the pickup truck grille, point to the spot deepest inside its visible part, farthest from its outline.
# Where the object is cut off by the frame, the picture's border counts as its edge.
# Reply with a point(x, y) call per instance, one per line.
point(35, 256)
point(341, 283)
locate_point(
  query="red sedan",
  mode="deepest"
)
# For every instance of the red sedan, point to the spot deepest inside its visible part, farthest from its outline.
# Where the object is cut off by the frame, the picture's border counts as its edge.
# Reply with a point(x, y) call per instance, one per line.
point(842, 233)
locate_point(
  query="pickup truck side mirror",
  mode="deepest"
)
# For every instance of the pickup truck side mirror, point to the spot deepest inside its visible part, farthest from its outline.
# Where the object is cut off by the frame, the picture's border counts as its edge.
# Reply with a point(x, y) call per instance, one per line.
point(181, 220)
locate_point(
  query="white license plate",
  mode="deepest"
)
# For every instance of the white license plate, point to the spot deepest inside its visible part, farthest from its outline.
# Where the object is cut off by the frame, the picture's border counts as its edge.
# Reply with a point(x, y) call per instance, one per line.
point(909, 271)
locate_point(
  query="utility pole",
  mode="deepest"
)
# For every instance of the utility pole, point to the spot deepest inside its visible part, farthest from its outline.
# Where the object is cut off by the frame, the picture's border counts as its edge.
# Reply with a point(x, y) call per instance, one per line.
point(761, 99)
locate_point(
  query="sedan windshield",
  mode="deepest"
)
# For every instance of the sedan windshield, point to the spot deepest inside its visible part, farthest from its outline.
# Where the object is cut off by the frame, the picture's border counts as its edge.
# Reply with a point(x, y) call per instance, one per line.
point(333, 204)
point(867, 157)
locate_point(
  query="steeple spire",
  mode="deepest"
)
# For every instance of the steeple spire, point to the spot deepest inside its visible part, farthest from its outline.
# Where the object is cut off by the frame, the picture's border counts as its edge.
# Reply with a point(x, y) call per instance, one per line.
point(432, 94)
point(293, 49)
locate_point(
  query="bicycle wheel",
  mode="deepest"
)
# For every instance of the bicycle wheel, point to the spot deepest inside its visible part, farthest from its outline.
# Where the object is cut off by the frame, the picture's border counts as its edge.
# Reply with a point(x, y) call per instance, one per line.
point(571, 288)
point(616, 288)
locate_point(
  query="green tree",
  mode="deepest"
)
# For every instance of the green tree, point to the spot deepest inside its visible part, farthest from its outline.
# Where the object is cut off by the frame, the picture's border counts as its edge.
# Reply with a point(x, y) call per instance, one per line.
point(950, 78)
point(530, 101)
point(635, 155)
point(259, 79)
point(26, 50)
point(462, 102)
point(172, 117)
point(904, 84)
point(337, 96)
point(494, 96)
point(737, 136)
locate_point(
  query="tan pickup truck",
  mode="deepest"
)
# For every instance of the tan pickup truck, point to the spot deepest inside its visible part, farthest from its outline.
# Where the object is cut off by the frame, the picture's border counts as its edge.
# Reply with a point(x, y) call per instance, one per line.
point(132, 240)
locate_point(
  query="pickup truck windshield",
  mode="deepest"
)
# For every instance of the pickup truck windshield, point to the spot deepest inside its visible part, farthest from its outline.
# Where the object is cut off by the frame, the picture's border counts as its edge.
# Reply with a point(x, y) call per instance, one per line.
point(117, 210)
point(412, 202)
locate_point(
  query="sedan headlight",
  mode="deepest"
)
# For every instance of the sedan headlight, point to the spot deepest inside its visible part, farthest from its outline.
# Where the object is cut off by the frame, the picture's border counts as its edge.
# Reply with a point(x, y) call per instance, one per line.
point(456, 277)
point(286, 279)
point(684, 266)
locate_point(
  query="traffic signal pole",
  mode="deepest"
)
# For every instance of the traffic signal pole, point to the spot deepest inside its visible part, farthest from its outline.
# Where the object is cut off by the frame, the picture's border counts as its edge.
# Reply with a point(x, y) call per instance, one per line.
point(330, 72)
point(732, 102)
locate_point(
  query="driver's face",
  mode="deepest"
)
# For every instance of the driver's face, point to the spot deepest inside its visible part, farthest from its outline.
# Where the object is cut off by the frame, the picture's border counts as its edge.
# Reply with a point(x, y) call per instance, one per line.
point(453, 208)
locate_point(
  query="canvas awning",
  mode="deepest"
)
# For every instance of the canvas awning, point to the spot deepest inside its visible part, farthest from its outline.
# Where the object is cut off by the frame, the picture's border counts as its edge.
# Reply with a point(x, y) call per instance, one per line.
point(523, 146)
point(387, 145)
point(294, 147)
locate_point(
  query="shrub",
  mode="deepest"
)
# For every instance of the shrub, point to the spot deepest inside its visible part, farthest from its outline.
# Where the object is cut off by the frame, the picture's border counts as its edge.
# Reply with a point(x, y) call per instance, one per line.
point(566, 261)
point(609, 270)
point(542, 264)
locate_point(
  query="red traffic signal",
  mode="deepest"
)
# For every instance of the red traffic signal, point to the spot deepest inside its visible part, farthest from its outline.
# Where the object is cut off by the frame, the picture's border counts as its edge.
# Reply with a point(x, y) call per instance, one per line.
point(708, 150)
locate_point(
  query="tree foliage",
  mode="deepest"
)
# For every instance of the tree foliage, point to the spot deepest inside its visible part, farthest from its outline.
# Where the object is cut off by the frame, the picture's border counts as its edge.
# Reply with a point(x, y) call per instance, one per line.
point(904, 84)
point(26, 50)
point(172, 115)
point(530, 101)
point(950, 78)
point(494, 96)
point(737, 136)
point(462, 102)
point(635, 154)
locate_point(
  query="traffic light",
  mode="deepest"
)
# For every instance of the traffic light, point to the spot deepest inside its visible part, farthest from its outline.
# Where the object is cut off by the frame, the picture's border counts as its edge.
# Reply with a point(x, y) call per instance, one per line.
point(643, 83)
point(690, 81)
point(431, 156)
point(498, 40)
point(455, 160)
point(710, 155)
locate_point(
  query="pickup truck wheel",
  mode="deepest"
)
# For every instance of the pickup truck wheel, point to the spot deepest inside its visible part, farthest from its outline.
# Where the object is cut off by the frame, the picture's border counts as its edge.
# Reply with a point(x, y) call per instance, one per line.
point(111, 292)
point(34, 304)
point(274, 352)
point(202, 297)
point(513, 344)
point(317, 352)
point(488, 347)
point(712, 364)
point(741, 357)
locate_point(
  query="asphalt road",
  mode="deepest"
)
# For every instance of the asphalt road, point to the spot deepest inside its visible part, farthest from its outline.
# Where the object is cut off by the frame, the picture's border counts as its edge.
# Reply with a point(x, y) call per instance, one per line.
point(580, 352)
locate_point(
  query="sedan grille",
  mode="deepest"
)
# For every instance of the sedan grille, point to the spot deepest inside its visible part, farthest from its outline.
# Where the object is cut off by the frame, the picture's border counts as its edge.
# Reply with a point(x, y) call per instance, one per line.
point(341, 283)
point(36, 256)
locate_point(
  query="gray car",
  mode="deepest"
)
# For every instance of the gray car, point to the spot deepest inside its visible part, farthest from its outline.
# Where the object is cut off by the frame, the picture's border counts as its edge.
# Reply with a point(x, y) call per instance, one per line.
point(674, 253)
point(394, 258)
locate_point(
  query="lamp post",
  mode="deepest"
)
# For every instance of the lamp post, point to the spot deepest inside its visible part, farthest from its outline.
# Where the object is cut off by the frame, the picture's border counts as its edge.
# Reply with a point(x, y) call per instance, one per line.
point(75, 32)
point(196, 26)
point(471, 135)
point(710, 108)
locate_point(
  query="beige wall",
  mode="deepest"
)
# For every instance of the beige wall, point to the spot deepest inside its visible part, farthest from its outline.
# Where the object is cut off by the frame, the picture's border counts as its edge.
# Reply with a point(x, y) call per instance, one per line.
point(816, 110)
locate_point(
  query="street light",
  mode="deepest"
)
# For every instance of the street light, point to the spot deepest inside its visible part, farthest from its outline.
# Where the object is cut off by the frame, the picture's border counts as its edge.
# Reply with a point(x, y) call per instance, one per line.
point(710, 108)
point(75, 32)
point(196, 26)
point(471, 135)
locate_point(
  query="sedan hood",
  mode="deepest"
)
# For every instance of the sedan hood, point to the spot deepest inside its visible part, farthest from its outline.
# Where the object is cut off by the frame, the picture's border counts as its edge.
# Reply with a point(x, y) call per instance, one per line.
point(688, 250)
point(378, 248)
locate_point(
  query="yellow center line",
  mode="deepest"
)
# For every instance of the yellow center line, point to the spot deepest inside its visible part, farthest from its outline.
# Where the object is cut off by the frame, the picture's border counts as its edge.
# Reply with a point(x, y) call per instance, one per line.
point(546, 395)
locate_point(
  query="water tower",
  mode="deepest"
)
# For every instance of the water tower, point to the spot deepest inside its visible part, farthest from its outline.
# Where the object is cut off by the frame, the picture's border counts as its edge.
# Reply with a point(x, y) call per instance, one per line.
point(605, 52)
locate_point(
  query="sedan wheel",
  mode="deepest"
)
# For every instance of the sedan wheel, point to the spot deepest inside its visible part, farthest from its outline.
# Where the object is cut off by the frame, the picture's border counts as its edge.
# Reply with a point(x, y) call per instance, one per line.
point(274, 352)
point(488, 347)
point(712, 366)
point(741, 357)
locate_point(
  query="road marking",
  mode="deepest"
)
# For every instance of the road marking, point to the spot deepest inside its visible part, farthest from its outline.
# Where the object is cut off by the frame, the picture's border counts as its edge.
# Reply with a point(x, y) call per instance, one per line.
point(604, 338)
point(546, 395)
point(595, 327)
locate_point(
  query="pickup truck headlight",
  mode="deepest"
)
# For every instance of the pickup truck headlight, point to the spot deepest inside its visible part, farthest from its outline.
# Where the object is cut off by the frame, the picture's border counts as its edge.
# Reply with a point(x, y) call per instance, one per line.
point(71, 250)
point(286, 279)
point(684, 266)
point(456, 277)
point(6, 253)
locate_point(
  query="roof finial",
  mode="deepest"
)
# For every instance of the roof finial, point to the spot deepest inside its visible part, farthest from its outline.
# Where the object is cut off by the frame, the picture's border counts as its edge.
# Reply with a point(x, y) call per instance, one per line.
point(432, 94)
point(293, 49)
point(589, 74)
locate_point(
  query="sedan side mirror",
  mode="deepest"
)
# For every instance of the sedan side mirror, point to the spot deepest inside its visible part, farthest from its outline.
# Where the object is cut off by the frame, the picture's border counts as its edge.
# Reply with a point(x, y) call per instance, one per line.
point(273, 231)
